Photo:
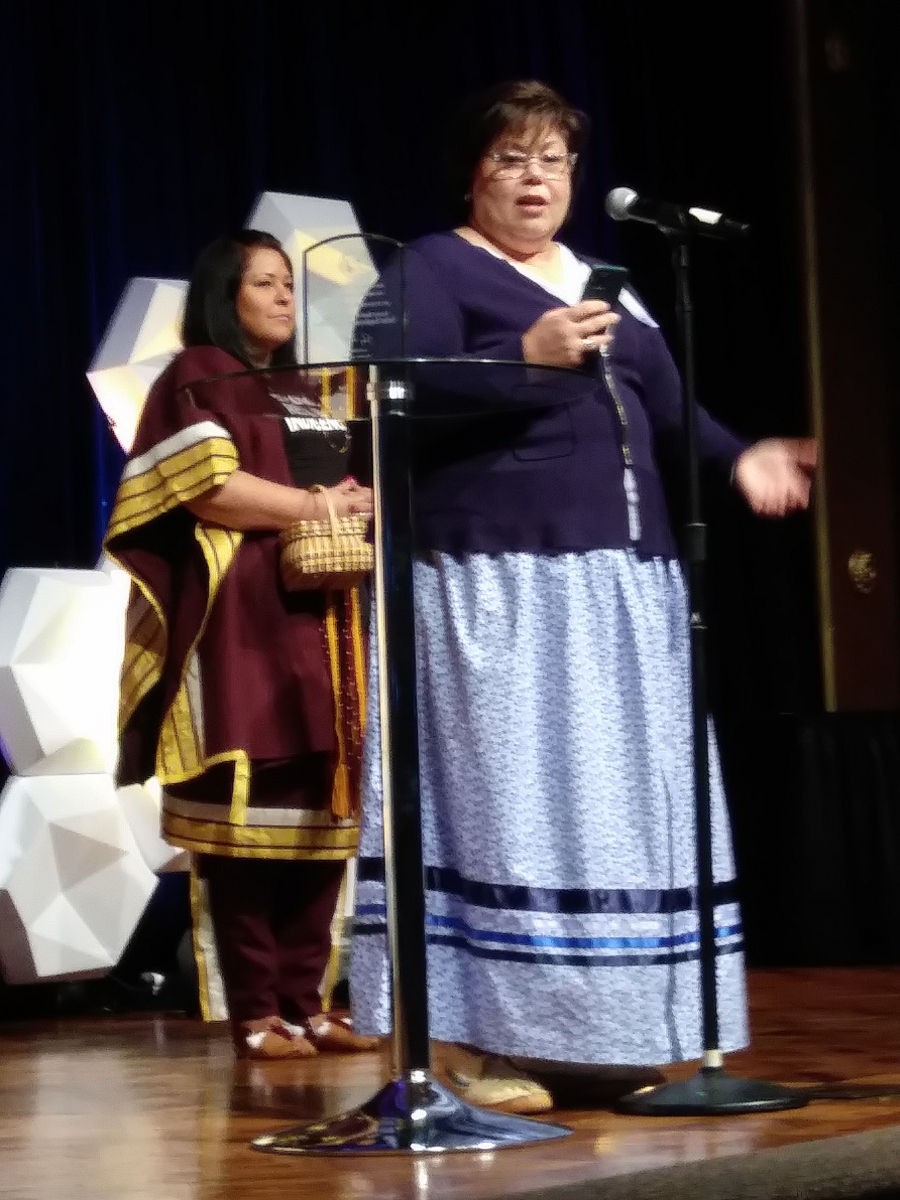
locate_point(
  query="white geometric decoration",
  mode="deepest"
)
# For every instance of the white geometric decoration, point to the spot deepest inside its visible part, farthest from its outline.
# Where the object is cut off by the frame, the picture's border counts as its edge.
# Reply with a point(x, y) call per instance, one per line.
point(140, 806)
point(61, 641)
point(337, 276)
point(144, 332)
point(142, 336)
point(73, 883)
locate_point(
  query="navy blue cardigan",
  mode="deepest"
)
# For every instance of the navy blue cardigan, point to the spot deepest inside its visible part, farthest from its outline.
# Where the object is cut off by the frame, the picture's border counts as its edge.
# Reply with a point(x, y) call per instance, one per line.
point(541, 480)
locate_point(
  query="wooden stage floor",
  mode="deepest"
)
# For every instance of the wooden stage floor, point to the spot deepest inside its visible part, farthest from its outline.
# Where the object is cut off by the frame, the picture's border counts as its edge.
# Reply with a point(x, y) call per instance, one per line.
point(157, 1109)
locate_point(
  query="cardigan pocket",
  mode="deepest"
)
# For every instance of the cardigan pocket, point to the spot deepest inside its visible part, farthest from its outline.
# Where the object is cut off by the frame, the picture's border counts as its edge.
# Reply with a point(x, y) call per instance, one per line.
point(551, 436)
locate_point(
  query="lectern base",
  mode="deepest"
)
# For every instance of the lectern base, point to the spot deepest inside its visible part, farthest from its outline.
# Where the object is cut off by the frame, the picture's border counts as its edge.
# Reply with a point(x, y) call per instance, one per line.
point(410, 1115)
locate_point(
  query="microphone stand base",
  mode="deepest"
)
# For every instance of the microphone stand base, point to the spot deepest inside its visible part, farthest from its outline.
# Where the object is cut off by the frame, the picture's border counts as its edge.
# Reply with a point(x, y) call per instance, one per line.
point(410, 1115)
point(711, 1092)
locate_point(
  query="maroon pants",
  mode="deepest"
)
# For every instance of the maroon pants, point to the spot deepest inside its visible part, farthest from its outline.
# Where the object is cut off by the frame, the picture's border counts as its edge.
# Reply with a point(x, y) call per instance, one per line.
point(272, 925)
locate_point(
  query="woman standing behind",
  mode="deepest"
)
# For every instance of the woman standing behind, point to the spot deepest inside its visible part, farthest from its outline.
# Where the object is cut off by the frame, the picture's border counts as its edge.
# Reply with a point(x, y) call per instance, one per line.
point(552, 642)
point(228, 689)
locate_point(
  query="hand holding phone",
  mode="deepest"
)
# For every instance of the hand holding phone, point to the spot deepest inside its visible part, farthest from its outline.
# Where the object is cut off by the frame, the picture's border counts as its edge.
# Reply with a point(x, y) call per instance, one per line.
point(566, 339)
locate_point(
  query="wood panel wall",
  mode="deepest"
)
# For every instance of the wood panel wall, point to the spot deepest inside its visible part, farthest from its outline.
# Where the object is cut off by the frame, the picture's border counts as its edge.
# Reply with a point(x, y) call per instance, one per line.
point(850, 389)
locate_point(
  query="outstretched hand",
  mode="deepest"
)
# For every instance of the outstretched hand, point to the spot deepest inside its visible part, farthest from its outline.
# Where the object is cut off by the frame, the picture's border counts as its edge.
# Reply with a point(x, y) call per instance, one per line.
point(775, 475)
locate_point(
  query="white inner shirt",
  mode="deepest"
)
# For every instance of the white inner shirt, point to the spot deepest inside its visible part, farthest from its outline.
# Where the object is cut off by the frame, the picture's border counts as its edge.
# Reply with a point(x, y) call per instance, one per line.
point(574, 276)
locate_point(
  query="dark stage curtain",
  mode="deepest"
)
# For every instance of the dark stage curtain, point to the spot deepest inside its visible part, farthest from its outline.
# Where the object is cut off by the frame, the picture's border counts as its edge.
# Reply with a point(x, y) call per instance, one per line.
point(132, 134)
point(814, 801)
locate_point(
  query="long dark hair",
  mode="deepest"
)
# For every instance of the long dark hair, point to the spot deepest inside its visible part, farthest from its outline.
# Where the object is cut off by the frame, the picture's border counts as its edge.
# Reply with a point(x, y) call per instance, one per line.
point(505, 106)
point(210, 311)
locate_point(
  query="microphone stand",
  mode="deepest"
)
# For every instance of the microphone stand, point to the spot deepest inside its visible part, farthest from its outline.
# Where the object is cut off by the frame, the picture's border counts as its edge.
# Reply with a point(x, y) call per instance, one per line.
point(711, 1091)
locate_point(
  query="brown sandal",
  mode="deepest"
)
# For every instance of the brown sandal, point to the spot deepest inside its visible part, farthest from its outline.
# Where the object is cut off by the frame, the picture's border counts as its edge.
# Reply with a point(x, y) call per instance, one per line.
point(271, 1037)
point(335, 1035)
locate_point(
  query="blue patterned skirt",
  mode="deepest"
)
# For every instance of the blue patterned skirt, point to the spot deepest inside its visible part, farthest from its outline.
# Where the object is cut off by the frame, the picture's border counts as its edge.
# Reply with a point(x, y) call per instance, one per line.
point(557, 808)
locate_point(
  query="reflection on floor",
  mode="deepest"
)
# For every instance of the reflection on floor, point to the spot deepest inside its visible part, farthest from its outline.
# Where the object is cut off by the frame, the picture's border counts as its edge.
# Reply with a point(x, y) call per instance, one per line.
point(157, 1109)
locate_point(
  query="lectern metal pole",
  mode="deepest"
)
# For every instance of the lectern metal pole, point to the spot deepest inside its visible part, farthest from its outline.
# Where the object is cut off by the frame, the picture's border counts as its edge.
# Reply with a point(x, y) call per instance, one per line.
point(412, 1114)
point(396, 645)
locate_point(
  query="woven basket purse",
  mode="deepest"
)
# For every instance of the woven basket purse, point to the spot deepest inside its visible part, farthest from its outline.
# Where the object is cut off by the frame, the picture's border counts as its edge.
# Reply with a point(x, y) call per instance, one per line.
point(325, 555)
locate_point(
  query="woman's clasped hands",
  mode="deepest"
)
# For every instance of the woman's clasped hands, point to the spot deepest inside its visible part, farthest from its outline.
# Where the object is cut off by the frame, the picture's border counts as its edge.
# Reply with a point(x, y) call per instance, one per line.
point(563, 336)
point(348, 498)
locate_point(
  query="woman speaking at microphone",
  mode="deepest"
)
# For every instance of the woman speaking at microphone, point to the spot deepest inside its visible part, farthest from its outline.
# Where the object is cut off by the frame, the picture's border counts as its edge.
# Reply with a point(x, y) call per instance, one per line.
point(553, 654)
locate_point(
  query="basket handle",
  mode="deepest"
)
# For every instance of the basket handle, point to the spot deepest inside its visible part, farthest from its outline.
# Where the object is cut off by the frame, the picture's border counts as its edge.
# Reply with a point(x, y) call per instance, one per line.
point(329, 504)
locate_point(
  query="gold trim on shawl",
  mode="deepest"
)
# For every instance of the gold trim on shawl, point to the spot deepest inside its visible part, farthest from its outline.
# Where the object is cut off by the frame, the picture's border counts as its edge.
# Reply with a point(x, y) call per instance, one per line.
point(341, 805)
point(167, 483)
point(200, 923)
point(180, 754)
point(243, 841)
point(350, 383)
point(359, 654)
point(337, 930)
point(145, 649)
point(343, 626)
point(343, 639)
point(175, 480)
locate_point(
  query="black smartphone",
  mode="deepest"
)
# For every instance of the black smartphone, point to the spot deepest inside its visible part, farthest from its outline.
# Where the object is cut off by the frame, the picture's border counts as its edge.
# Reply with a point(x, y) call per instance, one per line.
point(605, 283)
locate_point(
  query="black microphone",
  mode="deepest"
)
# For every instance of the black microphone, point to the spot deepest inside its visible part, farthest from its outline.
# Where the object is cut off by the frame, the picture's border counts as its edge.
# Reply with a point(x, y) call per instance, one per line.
point(624, 204)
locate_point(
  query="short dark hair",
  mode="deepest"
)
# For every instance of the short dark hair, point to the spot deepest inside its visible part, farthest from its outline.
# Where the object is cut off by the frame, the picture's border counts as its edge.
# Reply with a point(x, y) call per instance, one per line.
point(210, 311)
point(488, 114)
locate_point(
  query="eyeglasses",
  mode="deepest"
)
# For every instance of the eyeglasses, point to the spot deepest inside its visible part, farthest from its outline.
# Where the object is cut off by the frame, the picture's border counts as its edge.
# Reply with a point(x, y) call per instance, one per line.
point(510, 164)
